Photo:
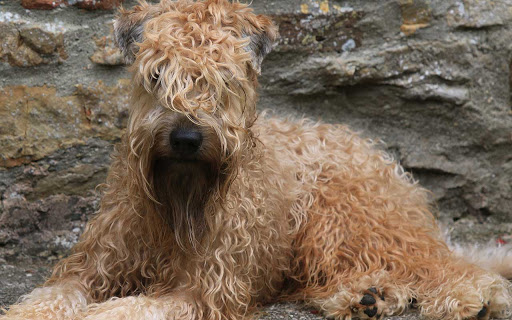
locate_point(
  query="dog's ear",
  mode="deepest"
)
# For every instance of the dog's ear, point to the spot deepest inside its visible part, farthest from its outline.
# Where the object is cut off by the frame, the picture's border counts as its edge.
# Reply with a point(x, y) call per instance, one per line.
point(261, 42)
point(129, 28)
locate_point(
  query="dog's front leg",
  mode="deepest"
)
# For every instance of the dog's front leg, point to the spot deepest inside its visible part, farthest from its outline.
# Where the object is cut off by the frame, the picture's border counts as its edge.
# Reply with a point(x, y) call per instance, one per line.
point(176, 307)
point(61, 301)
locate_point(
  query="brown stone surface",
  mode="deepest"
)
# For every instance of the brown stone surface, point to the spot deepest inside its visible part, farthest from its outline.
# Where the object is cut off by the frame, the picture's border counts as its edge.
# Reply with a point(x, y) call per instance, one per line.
point(36, 121)
point(28, 46)
point(319, 33)
point(99, 4)
point(42, 4)
point(416, 14)
point(41, 41)
point(83, 4)
point(13, 50)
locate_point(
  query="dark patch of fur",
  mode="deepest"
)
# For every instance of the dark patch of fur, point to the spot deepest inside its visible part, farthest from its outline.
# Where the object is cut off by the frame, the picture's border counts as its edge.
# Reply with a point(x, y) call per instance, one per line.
point(129, 29)
point(126, 39)
point(184, 190)
point(259, 47)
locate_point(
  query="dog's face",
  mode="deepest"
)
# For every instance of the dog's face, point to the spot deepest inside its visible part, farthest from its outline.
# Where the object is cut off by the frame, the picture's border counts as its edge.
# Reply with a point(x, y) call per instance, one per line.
point(194, 68)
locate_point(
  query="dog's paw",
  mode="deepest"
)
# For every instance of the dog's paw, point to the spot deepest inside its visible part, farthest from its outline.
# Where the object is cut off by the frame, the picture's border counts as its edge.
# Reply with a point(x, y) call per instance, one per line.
point(483, 314)
point(371, 304)
point(369, 298)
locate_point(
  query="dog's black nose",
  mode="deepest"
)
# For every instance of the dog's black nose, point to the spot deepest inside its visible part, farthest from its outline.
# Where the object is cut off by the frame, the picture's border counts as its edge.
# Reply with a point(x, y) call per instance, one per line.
point(186, 141)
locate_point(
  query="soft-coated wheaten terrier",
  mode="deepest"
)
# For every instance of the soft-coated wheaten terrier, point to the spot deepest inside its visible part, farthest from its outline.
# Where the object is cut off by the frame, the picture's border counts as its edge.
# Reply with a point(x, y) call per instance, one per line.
point(210, 210)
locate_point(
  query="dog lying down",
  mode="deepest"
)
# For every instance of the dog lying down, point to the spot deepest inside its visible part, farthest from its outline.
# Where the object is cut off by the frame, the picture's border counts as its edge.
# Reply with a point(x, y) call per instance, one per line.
point(211, 209)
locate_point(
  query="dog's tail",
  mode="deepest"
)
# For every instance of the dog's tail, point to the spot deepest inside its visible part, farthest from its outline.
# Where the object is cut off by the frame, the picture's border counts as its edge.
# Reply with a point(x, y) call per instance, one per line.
point(490, 257)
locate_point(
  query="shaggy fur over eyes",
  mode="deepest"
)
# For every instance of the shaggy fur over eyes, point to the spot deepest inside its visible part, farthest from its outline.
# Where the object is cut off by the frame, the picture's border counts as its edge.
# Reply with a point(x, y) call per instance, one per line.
point(211, 209)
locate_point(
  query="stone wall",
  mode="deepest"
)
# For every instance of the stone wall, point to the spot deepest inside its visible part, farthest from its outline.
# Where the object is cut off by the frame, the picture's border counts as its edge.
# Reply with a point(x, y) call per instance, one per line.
point(431, 78)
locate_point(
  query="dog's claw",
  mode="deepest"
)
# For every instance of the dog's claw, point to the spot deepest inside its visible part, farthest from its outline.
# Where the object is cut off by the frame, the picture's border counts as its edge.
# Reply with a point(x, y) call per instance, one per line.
point(368, 300)
point(482, 313)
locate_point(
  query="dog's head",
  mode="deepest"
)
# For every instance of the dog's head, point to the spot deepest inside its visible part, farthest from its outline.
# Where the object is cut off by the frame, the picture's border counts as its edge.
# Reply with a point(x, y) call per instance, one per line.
point(194, 66)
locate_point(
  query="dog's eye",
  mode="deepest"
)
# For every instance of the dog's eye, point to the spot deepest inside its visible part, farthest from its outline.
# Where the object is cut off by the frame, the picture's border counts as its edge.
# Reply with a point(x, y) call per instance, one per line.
point(154, 80)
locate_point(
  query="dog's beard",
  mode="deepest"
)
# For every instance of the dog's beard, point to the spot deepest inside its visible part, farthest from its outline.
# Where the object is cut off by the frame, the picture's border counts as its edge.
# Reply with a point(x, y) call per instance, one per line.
point(185, 191)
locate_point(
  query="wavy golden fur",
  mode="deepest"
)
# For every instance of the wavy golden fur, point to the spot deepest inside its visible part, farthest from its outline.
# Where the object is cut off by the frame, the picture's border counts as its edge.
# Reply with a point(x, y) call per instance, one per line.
point(265, 209)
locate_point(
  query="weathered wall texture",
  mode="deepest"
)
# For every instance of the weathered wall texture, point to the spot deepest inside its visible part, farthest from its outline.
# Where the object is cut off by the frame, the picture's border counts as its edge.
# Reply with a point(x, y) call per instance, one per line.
point(430, 77)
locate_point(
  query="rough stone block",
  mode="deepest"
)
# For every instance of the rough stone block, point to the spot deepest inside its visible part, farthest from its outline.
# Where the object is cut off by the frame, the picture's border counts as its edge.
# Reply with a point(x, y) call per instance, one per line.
point(319, 32)
point(83, 4)
point(42, 41)
point(98, 4)
point(415, 15)
point(30, 45)
point(42, 4)
point(478, 14)
point(107, 53)
point(36, 121)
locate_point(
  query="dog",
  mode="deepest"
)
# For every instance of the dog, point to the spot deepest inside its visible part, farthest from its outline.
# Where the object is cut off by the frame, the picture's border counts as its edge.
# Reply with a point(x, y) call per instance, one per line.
point(211, 209)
